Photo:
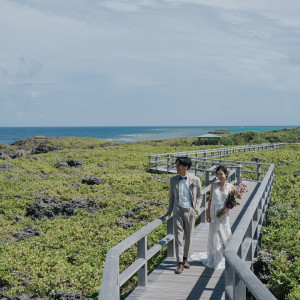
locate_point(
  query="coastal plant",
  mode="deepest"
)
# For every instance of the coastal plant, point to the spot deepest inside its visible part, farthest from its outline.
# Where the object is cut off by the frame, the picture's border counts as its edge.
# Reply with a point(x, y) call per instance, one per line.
point(70, 252)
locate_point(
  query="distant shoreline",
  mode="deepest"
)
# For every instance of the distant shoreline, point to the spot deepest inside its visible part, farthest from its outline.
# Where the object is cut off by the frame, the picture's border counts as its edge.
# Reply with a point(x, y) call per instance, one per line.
point(123, 134)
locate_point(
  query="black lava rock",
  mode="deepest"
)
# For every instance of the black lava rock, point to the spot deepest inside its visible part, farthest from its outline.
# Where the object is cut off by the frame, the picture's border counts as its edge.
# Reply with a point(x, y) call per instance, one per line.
point(42, 148)
point(256, 159)
point(70, 163)
point(92, 180)
point(74, 163)
point(47, 206)
point(61, 164)
point(6, 167)
point(261, 266)
point(126, 223)
point(109, 145)
point(67, 295)
point(27, 233)
point(297, 173)
point(17, 219)
point(129, 214)
point(103, 165)
point(24, 297)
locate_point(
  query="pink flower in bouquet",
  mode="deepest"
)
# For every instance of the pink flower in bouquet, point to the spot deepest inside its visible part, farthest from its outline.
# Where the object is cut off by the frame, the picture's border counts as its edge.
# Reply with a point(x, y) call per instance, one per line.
point(230, 201)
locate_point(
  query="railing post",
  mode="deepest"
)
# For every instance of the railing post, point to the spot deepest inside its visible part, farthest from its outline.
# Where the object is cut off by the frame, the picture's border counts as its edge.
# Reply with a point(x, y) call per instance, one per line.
point(207, 177)
point(156, 162)
point(204, 163)
point(203, 204)
point(149, 162)
point(142, 253)
point(258, 172)
point(171, 244)
point(196, 167)
point(256, 233)
point(168, 164)
point(173, 160)
point(239, 289)
point(239, 174)
point(229, 278)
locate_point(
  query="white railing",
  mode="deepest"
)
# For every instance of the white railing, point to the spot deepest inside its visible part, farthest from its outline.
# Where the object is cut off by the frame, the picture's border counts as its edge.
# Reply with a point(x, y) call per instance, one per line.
point(165, 162)
point(242, 247)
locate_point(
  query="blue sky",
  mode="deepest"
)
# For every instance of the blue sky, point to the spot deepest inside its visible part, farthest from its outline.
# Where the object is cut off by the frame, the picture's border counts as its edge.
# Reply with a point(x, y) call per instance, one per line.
point(130, 63)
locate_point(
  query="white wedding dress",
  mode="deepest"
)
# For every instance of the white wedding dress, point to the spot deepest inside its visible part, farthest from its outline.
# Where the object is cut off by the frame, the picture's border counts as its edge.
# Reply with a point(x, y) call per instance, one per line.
point(219, 230)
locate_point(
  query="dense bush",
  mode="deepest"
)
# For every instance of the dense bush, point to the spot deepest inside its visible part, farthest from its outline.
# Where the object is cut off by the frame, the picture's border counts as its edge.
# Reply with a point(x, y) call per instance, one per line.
point(270, 136)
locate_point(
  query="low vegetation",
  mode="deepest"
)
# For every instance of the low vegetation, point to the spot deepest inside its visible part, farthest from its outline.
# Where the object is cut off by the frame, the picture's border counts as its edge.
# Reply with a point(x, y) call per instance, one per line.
point(48, 246)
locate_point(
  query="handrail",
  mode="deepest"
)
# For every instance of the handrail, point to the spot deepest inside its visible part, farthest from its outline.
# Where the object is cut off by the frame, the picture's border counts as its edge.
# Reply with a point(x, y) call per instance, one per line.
point(110, 280)
point(199, 157)
point(239, 252)
point(201, 166)
point(258, 290)
point(264, 146)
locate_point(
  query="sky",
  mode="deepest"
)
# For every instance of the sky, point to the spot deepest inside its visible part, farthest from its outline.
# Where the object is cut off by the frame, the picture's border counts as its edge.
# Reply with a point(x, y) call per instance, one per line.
point(147, 63)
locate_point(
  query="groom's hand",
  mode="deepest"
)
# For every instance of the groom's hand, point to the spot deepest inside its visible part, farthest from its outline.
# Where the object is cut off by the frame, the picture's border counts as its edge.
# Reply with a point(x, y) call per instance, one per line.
point(166, 215)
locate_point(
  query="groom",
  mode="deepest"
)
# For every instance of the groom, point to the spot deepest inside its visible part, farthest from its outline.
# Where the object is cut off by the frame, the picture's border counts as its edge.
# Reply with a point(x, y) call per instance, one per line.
point(184, 202)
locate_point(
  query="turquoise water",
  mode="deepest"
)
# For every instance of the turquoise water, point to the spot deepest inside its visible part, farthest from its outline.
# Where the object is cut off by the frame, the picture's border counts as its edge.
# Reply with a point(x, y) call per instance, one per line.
point(124, 134)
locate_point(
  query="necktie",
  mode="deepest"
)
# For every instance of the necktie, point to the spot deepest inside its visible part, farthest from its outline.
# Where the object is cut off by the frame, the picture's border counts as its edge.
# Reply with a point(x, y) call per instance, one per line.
point(182, 178)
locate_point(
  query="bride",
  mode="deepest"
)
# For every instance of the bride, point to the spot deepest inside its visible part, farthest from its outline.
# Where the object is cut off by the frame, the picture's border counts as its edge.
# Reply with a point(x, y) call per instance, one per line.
point(218, 218)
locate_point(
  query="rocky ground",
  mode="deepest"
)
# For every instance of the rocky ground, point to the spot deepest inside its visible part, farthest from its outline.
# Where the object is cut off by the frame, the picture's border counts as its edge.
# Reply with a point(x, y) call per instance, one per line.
point(47, 206)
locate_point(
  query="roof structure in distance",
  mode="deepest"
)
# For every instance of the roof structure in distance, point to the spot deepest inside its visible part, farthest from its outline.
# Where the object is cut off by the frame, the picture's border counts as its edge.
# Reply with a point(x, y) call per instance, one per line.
point(209, 135)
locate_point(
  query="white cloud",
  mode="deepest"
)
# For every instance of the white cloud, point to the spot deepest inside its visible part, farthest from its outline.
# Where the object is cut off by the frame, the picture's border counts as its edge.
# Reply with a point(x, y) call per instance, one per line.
point(127, 6)
point(120, 59)
point(35, 94)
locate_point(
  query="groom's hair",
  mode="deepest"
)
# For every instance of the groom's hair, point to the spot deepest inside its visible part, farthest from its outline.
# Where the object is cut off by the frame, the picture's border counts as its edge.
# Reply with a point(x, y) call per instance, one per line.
point(184, 161)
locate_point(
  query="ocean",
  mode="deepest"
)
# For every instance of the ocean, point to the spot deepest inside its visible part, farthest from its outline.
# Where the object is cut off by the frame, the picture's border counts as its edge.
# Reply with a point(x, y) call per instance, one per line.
point(124, 134)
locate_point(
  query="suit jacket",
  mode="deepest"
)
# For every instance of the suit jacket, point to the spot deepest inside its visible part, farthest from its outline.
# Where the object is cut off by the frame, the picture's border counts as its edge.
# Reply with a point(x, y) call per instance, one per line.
point(195, 193)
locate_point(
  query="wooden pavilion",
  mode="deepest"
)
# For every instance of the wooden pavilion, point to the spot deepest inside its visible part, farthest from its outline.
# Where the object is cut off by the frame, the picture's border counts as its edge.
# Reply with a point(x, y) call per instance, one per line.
point(208, 139)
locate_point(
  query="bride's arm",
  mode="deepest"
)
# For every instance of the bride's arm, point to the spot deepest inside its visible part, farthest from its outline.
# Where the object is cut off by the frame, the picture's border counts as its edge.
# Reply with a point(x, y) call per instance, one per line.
point(209, 203)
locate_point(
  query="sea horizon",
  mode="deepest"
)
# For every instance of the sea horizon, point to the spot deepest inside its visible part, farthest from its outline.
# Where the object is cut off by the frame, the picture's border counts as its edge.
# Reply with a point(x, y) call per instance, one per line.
point(123, 134)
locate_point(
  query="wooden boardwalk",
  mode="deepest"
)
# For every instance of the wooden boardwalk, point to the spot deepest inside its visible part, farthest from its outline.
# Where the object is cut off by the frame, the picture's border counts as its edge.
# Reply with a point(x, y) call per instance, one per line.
point(163, 170)
point(198, 282)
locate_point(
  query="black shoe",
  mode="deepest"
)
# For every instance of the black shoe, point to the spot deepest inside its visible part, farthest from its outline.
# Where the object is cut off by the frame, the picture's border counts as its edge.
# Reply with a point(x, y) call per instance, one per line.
point(186, 264)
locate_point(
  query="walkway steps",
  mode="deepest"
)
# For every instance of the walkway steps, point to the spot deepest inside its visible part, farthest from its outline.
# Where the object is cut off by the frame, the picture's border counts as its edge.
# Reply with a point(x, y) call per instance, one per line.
point(198, 282)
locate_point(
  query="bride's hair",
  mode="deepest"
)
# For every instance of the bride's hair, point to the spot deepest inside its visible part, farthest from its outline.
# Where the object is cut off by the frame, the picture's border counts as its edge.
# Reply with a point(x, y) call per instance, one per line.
point(223, 169)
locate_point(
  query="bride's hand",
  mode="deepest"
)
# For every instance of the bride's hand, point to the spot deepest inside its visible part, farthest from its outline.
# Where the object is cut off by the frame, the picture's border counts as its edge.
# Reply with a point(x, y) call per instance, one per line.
point(208, 218)
point(222, 212)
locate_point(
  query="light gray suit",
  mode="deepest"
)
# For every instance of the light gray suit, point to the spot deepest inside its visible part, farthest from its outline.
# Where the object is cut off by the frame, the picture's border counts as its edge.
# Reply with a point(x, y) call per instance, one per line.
point(184, 218)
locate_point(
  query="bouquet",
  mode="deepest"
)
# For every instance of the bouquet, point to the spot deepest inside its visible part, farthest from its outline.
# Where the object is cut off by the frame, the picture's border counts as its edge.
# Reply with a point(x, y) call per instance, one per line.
point(230, 201)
